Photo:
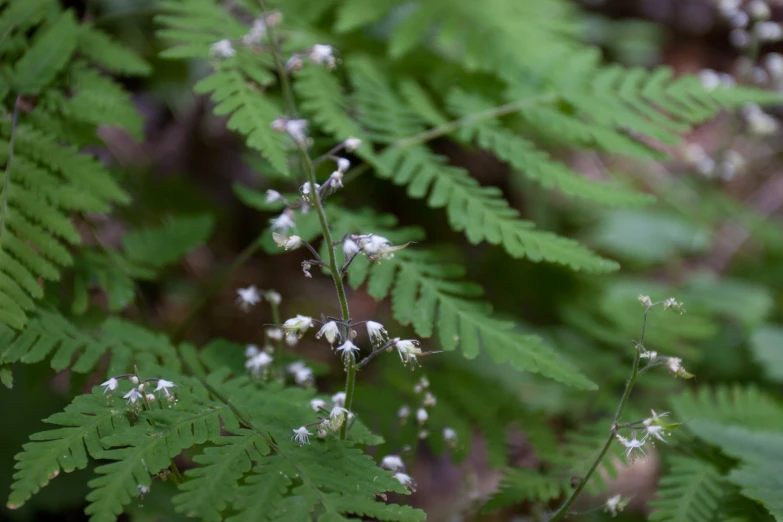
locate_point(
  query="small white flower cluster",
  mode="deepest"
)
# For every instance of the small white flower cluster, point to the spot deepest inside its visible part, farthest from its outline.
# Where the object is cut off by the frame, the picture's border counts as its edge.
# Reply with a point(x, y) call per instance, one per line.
point(615, 504)
point(319, 54)
point(654, 429)
point(295, 128)
point(251, 296)
point(303, 376)
point(750, 22)
point(726, 169)
point(373, 246)
point(712, 79)
point(338, 415)
point(136, 395)
point(759, 122)
point(224, 49)
point(336, 178)
point(258, 361)
point(395, 464)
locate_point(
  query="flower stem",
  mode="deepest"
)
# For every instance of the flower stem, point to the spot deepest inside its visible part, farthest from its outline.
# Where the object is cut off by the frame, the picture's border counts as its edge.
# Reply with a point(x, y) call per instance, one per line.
point(562, 511)
point(307, 164)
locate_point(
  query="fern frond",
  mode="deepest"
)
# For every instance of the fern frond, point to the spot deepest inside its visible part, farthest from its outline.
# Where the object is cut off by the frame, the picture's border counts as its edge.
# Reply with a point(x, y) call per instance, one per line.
point(426, 291)
point(690, 491)
point(47, 56)
point(83, 423)
point(159, 246)
point(745, 406)
point(101, 49)
point(48, 334)
point(213, 486)
point(524, 156)
point(520, 485)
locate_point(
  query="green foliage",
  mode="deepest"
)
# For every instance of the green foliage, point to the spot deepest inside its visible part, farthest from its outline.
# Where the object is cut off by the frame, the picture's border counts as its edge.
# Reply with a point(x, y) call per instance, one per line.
point(690, 492)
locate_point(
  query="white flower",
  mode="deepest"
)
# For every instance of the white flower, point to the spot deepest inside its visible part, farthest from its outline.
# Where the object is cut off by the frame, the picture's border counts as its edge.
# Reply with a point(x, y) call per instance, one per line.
point(376, 331)
point(774, 64)
point(329, 330)
point(251, 350)
point(150, 397)
point(378, 247)
point(143, 490)
point(655, 419)
point(323, 55)
point(289, 243)
point(405, 480)
point(408, 350)
point(297, 129)
point(248, 297)
point(256, 33)
point(350, 248)
point(348, 349)
point(283, 223)
point(133, 396)
point(709, 79)
point(275, 334)
point(645, 300)
point(653, 431)
point(352, 143)
point(317, 404)
point(337, 417)
point(291, 338)
point(768, 31)
point(429, 400)
point(343, 164)
point(305, 190)
point(299, 324)
point(392, 463)
point(675, 366)
point(222, 49)
point(336, 179)
point(164, 385)
point(759, 10)
point(631, 445)
point(273, 196)
point(450, 436)
point(294, 63)
point(649, 355)
point(133, 379)
point(272, 297)
point(422, 415)
point(339, 398)
point(258, 362)
point(615, 504)
point(301, 436)
point(669, 303)
point(304, 377)
point(110, 385)
point(403, 413)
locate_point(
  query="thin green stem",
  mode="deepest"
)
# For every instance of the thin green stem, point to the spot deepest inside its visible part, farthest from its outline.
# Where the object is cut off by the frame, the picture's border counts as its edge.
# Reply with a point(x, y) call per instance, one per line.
point(7, 177)
point(307, 164)
point(562, 511)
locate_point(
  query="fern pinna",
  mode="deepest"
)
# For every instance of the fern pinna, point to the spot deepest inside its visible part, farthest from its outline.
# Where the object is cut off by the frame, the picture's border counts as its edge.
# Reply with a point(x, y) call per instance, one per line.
point(248, 438)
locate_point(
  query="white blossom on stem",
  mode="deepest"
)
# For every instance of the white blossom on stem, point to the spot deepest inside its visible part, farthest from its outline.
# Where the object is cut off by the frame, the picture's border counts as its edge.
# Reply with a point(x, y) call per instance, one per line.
point(655, 419)
point(275, 334)
point(273, 196)
point(248, 297)
point(150, 397)
point(350, 248)
point(289, 243)
point(376, 331)
point(317, 404)
point(301, 436)
point(406, 481)
point(133, 396)
point(283, 223)
point(351, 144)
point(450, 436)
point(654, 431)
point(323, 55)
point(339, 399)
point(337, 417)
point(336, 179)
point(143, 490)
point(422, 415)
point(675, 366)
point(110, 385)
point(408, 350)
point(298, 324)
point(645, 300)
point(222, 49)
point(251, 350)
point(631, 445)
point(403, 413)
point(164, 385)
point(348, 349)
point(305, 190)
point(258, 362)
point(615, 504)
point(272, 297)
point(393, 463)
point(329, 330)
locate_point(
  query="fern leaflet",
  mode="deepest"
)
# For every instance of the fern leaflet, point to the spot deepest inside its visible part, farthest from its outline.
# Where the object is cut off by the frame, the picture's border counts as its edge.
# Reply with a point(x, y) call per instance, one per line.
point(689, 492)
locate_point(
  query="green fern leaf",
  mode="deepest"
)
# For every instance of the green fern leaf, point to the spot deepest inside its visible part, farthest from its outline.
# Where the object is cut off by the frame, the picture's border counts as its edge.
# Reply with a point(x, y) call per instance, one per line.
point(522, 485)
point(426, 291)
point(47, 56)
point(144, 450)
point(159, 246)
point(211, 487)
point(765, 344)
point(84, 422)
point(689, 492)
point(356, 13)
point(745, 406)
point(263, 493)
point(101, 49)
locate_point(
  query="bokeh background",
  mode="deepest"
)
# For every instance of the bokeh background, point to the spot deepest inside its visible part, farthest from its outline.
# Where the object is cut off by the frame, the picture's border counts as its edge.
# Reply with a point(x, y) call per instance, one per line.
point(713, 239)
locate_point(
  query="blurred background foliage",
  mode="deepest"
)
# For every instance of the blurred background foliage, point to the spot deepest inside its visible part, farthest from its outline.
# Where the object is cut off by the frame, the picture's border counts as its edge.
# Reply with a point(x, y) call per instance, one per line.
point(712, 241)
